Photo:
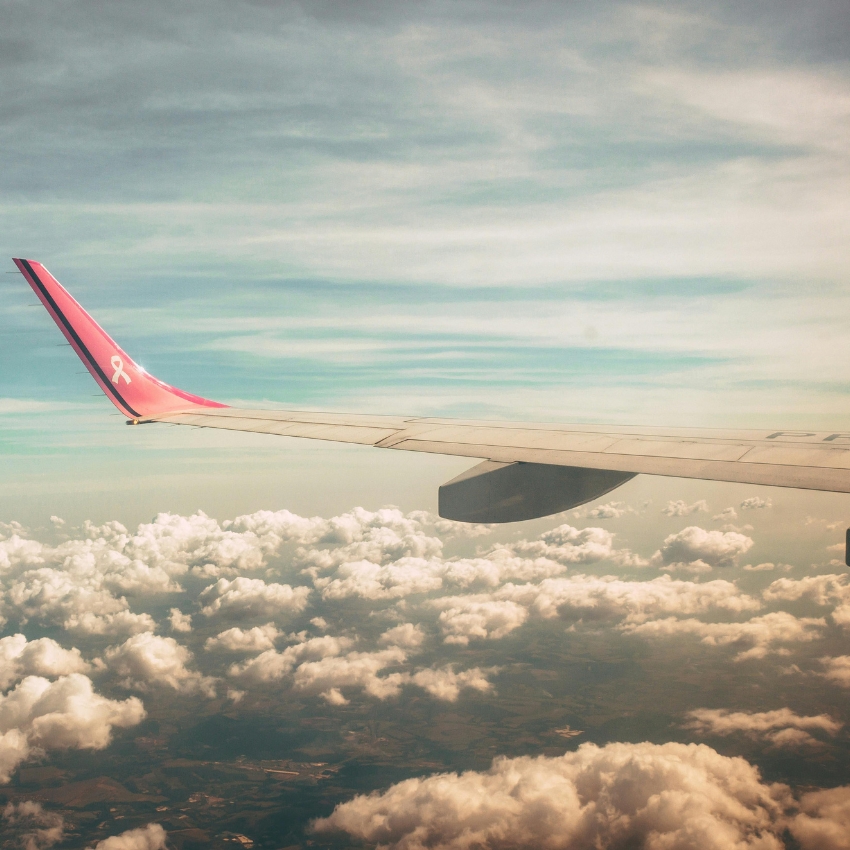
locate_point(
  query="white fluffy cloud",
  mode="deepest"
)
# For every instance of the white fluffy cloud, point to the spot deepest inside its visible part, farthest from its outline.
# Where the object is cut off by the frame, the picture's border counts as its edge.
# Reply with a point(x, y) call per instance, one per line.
point(272, 666)
point(696, 545)
point(409, 574)
point(328, 675)
point(610, 510)
point(781, 728)
point(680, 508)
point(726, 515)
point(256, 639)
point(326, 665)
point(754, 503)
point(42, 657)
point(837, 670)
point(378, 537)
point(146, 659)
point(446, 684)
point(406, 635)
point(120, 623)
point(497, 613)
point(822, 590)
point(755, 638)
point(823, 822)
point(252, 597)
point(150, 837)
point(179, 621)
point(34, 828)
point(369, 580)
point(63, 714)
point(465, 617)
point(568, 545)
point(82, 583)
point(633, 600)
point(618, 796)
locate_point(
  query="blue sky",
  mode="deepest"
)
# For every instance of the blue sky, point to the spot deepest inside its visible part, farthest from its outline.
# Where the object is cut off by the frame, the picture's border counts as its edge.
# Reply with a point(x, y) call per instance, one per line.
point(622, 212)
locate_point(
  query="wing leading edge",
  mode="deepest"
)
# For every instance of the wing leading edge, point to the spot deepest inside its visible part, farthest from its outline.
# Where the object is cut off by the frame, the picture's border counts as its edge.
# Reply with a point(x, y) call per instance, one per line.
point(784, 458)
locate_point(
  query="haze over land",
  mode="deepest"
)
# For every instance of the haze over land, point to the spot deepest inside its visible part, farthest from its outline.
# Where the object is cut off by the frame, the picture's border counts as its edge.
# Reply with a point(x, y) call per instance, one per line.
point(632, 213)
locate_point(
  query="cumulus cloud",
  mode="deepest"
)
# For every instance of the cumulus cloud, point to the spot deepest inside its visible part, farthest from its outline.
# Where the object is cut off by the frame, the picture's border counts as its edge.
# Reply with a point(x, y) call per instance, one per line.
point(256, 639)
point(448, 528)
point(145, 660)
point(499, 565)
point(465, 617)
point(823, 822)
point(272, 666)
point(179, 621)
point(446, 684)
point(633, 600)
point(405, 635)
point(33, 827)
point(822, 590)
point(378, 537)
point(120, 623)
point(610, 510)
point(43, 657)
point(547, 556)
point(695, 545)
point(150, 837)
point(328, 675)
point(497, 613)
point(568, 545)
point(63, 714)
point(616, 796)
point(369, 580)
point(781, 728)
point(754, 503)
point(327, 665)
point(726, 515)
point(252, 597)
point(756, 638)
point(680, 508)
point(82, 584)
point(76, 599)
point(837, 670)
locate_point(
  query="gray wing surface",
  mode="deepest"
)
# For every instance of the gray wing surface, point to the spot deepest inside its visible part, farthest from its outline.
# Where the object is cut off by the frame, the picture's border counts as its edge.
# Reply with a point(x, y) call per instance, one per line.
point(802, 459)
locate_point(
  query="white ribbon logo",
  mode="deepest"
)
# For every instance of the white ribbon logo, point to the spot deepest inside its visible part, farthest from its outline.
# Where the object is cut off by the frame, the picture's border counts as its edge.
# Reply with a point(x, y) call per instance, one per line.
point(118, 366)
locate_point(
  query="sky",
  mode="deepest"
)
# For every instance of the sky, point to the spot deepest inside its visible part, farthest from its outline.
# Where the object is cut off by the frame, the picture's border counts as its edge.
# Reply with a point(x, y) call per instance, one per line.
point(631, 213)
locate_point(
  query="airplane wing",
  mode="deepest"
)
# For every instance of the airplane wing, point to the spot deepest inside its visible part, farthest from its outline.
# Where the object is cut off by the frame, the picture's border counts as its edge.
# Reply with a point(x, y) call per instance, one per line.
point(527, 470)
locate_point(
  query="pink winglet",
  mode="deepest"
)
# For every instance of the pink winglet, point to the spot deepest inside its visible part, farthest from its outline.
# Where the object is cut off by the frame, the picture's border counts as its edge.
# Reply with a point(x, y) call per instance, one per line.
point(132, 390)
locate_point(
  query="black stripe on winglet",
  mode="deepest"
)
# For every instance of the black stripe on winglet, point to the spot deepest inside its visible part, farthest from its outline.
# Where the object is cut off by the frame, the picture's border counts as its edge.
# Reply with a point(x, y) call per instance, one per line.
point(76, 337)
